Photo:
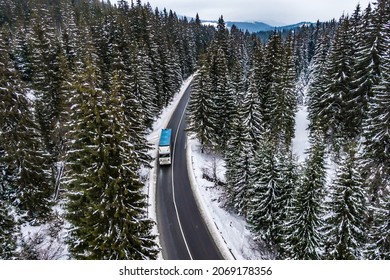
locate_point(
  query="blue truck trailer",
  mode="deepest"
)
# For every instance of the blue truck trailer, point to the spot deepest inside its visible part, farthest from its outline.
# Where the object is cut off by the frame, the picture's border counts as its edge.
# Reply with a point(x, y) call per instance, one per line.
point(164, 147)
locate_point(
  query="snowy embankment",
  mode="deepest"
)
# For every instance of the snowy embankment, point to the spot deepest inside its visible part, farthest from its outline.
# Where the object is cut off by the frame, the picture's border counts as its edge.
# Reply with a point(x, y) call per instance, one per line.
point(231, 228)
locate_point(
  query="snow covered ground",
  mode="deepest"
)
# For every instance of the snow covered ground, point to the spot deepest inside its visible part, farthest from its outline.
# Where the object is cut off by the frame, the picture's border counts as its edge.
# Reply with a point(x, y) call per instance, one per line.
point(47, 241)
point(301, 139)
point(301, 143)
point(231, 227)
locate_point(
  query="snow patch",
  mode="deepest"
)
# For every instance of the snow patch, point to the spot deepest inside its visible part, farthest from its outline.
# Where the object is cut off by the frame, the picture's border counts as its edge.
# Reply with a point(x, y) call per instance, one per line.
point(47, 241)
point(31, 96)
point(239, 241)
point(301, 139)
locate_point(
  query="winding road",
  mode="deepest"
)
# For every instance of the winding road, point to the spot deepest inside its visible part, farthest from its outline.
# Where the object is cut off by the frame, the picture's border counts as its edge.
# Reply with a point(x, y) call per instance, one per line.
point(183, 233)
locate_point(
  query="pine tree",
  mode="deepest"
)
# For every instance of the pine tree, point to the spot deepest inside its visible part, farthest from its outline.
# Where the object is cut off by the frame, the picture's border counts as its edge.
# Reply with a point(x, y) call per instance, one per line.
point(23, 157)
point(304, 238)
point(265, 193)
point(106, 208)
point(346, 223)
point(283, 99)
point(8, 233)
point(334, 115)
point(222, 97)
point(239, 159)
point(379, 233)
point(318, 83)
point(200, 108)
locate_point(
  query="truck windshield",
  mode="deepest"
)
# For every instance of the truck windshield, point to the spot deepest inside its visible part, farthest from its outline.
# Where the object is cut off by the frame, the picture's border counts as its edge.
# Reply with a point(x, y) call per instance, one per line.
point(164, 155)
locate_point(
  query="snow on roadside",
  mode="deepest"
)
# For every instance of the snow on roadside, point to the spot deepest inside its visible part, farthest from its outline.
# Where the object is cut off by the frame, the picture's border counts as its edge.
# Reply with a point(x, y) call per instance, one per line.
point(232, 228)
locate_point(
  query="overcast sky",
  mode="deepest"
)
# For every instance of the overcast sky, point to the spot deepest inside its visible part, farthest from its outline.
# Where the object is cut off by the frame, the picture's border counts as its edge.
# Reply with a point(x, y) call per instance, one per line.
point(274, 12)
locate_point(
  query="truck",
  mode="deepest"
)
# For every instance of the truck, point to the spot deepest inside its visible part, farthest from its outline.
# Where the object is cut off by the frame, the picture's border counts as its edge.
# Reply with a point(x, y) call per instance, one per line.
point(164, 147)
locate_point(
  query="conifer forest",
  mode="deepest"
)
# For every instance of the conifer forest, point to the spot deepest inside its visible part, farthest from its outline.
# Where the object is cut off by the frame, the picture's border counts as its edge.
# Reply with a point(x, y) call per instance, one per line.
point(82, 81)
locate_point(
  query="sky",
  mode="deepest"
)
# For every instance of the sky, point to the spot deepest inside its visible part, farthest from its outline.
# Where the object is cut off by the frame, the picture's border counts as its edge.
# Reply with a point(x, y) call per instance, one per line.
point(273, 12)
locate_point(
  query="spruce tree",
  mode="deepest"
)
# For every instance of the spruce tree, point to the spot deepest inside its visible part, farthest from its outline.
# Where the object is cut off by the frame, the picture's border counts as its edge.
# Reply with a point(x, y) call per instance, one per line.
point(304, 230)
point(250, 109)
point(106, 208)
point(8, 233)
point(222, 97)
point(142, 84)
point(283, 99)
point(379, 233)
point(23, 156)
point(336, 121)
point(200, 108)
point(271, 68)
point(290, 182)
point(264, 195)
point(46, 78)
point(376, 126)
point(69, 34)
point(376, 160)
point(221, 39)
point(346, 223)
point(367, 66)
point(239, 159)
point(132, 105)
point(318, 83)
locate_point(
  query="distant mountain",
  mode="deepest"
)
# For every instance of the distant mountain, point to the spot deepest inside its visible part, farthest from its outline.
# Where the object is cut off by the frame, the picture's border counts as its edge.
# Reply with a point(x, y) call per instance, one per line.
point(250, 26)
point(293, 26)
point(255, 26)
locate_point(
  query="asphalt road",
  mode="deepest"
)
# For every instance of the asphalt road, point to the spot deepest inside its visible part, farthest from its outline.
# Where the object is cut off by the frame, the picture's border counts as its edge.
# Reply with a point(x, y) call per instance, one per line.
point(183, 233)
